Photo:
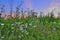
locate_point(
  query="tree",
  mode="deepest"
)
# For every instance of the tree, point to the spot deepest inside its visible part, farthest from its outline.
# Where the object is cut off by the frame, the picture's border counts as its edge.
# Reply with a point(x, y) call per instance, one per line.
point(28, 12)
point(52, 14)
point(11, 7)
point(41, 14)
point(18, 9)
point(33, 13)
point(22, 12)
point(2, 10)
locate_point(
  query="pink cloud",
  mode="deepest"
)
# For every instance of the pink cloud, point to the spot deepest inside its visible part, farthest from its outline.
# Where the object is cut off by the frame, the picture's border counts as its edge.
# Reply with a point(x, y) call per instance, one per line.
point(28, 4)
point(55, 3)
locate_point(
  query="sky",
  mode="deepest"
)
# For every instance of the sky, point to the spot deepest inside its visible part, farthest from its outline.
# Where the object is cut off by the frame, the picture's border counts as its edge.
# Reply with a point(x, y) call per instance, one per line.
point(31, 4)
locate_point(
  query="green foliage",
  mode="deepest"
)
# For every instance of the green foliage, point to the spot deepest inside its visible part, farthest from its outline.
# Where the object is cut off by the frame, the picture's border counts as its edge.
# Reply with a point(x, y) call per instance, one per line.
point(45, 28)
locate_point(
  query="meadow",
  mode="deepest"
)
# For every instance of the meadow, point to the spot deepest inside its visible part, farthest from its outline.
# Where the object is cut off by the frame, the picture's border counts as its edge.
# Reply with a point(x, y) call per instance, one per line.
point(31, 28)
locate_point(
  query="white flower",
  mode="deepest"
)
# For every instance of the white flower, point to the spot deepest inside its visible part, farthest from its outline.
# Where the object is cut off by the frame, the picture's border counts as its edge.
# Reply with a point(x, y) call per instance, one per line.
point(54, 28)
point(30, 24)
point(2, 37)
point(34, 26)
point(2, 24)
point(21, 28)
point(27, 33)
point(59, 23)
point(54, 22)
point(23, 25)
point(26, 25)
point(22, 31)
point(22, 35)
point(12, 27)
point(19, 36)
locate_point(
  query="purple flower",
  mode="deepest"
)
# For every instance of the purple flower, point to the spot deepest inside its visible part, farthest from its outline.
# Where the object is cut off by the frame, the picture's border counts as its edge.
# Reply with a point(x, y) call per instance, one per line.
point(14, 23)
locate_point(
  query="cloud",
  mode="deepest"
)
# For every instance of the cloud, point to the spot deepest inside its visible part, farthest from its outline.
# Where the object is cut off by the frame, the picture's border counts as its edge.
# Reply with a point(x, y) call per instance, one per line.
point(28, 4)
point(55, 3)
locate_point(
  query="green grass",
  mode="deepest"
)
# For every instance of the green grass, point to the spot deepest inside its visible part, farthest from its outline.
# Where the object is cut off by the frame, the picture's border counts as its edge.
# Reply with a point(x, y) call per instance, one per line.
point(45, 28)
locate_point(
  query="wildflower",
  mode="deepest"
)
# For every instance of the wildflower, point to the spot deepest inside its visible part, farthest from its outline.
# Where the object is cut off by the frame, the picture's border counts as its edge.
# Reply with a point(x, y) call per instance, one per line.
point(54, 22)
point(27, 33)
point(59, 23)
point(12, 27)
point(54, 28)
point(26, 25)
point(15, 23)
point(19, 36)
point(34, 26)
point(2, 24)
point(21, 28)
point(30, 24)
point(22, 31)
point(2, 37)
point(22, 25)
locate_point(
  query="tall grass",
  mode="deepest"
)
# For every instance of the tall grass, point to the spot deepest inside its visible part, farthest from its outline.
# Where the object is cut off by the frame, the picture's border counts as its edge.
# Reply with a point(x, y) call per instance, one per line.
point(45, 28)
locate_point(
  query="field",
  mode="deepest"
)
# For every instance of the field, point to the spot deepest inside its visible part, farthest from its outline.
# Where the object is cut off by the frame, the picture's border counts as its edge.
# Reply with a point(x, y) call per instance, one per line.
point(32, 28)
